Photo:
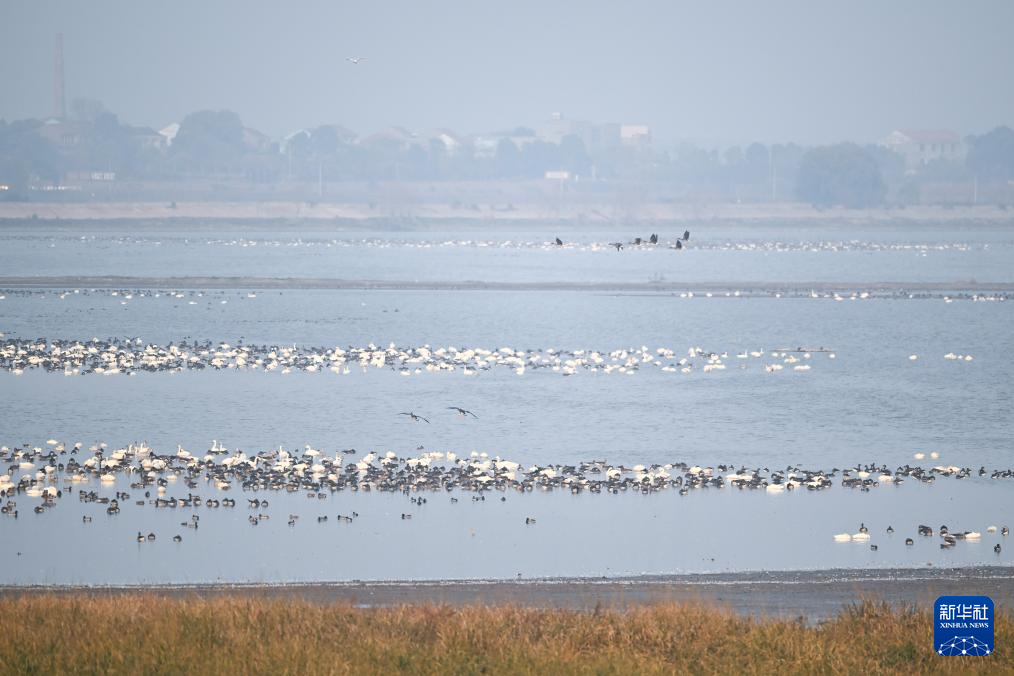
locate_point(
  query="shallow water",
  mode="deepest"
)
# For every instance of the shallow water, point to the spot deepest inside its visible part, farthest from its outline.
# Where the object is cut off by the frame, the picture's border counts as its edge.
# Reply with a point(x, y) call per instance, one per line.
point(714, 253)
point(870, 404)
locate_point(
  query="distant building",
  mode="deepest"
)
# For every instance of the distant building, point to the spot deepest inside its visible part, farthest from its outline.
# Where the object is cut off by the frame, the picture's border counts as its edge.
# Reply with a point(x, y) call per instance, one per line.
point(256, 141)
point(392, 136)
point(558, 126)
point(147, 138)
point(595, 136)
point(64, 134)
point(919, 147)
point(636, 135)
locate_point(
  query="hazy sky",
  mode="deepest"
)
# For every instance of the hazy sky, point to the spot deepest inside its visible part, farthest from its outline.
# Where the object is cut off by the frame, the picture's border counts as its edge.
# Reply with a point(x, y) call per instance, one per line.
point(713, 72)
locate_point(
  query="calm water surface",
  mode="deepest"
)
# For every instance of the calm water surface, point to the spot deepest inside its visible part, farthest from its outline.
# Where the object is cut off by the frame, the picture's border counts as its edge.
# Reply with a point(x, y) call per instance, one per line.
point(870, 404)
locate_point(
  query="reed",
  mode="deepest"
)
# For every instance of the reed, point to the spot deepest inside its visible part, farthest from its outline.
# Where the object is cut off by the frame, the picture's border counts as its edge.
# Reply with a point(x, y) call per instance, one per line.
point(245, 634)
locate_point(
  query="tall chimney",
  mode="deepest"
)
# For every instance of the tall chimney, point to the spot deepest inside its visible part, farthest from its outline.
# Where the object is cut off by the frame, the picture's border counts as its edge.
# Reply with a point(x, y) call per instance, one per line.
point(59, 105)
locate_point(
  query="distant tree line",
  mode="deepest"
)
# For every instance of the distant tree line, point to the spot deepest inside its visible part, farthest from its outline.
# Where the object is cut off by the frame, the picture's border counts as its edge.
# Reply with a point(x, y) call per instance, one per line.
point(215, 145)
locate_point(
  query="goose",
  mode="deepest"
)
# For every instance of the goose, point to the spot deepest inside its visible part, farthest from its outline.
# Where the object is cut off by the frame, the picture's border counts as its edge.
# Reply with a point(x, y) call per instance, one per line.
point(909, 541)
point(997, 548)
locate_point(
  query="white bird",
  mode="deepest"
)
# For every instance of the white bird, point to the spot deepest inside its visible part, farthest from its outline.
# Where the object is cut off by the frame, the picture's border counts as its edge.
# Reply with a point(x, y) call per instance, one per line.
point(355, 59)
point(842, 537)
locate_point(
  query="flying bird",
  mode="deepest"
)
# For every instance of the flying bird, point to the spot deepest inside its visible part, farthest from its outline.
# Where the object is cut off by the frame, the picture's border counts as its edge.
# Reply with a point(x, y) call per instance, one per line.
point(415, 417)
point(618, 245)
point(462, 412)
point(686, 235)
point(355, 59)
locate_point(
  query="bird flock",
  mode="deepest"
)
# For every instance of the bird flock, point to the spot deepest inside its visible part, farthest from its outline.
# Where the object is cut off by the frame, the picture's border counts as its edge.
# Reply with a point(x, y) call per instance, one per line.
point(949, 538)
point(113, 356)
point(191, 297)
point(53, 470)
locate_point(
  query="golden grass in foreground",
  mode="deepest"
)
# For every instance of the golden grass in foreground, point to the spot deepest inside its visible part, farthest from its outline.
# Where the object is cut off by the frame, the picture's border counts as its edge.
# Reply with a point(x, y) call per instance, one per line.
point(138, 634)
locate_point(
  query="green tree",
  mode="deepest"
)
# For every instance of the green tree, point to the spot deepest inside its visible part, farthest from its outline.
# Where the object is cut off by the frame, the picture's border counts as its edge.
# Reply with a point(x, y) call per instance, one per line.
point(24, 154)
point(210, 140)
point(992, 155)
point(842, 174)
point(573, 155)
point(507, 160)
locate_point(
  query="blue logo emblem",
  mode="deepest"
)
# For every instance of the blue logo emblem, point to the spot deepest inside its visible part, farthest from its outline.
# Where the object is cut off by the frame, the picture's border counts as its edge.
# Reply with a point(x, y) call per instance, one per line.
point(963, 626)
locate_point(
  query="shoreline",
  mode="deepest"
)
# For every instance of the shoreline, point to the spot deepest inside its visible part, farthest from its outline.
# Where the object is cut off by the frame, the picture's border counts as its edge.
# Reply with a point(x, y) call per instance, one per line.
point(816, 595)
point(312, 283)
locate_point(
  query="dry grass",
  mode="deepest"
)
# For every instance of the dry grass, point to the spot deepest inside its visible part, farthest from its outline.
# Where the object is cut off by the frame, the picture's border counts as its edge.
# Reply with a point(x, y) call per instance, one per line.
point(149, 634)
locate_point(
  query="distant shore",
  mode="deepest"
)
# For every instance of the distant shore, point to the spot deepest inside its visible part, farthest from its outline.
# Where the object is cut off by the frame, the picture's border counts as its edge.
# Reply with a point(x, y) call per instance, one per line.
point(661, 288)
point(427, 215)
point(816, 595)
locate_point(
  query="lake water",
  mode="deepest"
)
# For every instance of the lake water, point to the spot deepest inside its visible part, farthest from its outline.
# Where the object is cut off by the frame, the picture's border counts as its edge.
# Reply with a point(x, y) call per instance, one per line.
point(869, 404)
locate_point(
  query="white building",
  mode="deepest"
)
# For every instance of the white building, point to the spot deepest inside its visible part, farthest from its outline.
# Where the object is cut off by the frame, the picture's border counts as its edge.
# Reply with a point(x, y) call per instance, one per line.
point(919, 147)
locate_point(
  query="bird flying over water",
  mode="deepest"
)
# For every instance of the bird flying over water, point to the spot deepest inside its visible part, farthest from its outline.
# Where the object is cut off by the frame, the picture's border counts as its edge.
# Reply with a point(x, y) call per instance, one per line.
point(686, 235)
point(415, 417)
point(354, 60)
point(618, 245)
point(462, 412)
